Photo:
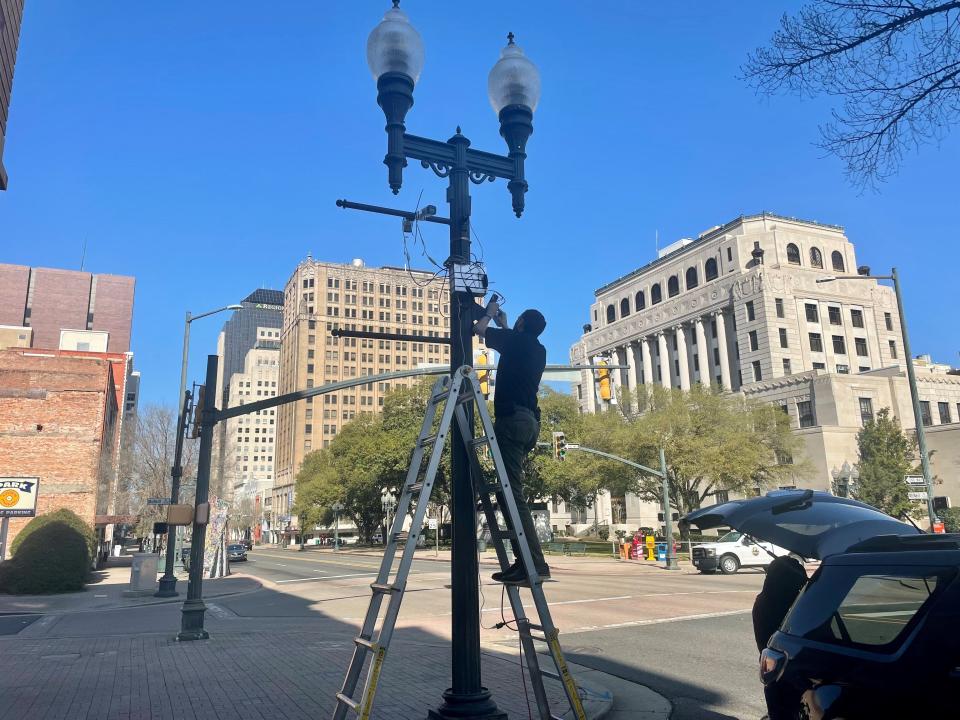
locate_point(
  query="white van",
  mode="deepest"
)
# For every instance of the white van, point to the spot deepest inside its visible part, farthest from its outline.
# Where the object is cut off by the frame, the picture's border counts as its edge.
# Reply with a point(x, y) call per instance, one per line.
point(734, 551)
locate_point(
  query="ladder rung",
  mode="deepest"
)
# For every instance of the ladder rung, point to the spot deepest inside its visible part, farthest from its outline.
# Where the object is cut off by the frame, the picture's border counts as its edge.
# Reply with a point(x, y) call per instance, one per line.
point(534, 626)
point(490, 488)
point(482, 440)
point(415, 487)
point(365, 643)
point(499, 534)
point(439, 398)
point(349, 702)
point(401, 536)
point(550, 674)
point(385, 588)
point(428, 440)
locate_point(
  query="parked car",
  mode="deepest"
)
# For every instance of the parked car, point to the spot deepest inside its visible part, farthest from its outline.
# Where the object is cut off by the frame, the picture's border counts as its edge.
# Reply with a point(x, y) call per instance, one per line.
point(236, 552)
point(734, 551)
point(873, 634)
point(247, 543)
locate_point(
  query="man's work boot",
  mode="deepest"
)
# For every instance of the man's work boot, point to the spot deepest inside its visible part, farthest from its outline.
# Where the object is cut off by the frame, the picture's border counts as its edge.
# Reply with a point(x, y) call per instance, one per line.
point(517, 567)
point(517, 575)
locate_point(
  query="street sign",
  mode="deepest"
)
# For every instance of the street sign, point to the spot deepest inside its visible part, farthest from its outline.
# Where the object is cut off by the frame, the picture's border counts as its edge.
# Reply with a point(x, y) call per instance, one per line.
point(158, 501)
point(18, 496)
point(917, 495)
point(432, 524)
point(914, 480)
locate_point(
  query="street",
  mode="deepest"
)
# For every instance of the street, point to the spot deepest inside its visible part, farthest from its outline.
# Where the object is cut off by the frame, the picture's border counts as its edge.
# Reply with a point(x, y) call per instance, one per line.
point(685, 635)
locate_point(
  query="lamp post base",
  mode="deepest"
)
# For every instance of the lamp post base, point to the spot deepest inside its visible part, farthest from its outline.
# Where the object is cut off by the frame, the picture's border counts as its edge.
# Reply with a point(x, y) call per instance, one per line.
point(476, 706)
point(168, 587)
point(191, 621)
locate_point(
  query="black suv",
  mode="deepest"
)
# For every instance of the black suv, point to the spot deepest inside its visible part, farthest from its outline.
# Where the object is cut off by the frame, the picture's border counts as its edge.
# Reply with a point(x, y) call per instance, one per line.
point(876, 631)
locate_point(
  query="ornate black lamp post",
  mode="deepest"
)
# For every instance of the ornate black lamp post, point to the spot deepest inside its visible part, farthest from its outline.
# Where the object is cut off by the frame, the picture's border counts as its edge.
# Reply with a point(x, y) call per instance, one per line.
point(395, 57)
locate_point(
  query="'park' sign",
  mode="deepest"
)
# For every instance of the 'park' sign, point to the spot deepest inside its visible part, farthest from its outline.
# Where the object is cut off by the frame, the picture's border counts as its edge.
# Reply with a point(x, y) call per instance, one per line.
point(18, 496)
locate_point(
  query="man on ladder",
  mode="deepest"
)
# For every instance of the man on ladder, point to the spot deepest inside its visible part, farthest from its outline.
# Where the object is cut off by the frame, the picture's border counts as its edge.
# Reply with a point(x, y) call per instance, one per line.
point(517, 424)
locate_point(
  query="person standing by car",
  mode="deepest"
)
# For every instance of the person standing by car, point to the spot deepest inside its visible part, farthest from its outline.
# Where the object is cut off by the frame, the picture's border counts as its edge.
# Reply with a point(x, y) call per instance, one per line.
point(517, 423)
point(784, 580)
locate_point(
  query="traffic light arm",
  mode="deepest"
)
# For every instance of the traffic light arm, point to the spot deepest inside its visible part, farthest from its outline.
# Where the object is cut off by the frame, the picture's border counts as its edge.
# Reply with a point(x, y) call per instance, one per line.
point(610, 456)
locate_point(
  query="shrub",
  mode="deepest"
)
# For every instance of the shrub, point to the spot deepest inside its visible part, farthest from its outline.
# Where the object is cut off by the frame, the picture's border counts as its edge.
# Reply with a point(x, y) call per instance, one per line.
point(52, 554)
point(951, 519)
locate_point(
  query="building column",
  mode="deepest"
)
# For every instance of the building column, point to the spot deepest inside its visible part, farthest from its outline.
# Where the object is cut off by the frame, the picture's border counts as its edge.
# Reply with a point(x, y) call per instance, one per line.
point(682, 358)
point(632, 375)
point(647, 362)
point(588, 384)
point(703, 351)
point(664, 359)
point(724, 351)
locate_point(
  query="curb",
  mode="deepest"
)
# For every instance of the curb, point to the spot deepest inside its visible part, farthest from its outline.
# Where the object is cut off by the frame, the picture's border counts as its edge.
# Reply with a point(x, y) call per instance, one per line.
point(128, 606)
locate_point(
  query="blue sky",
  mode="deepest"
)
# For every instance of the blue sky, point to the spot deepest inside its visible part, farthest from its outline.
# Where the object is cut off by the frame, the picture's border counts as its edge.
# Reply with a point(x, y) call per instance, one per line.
point(178, 139)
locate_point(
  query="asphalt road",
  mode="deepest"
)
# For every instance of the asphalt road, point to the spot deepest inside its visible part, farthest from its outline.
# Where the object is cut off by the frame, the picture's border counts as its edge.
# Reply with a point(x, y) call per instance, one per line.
point(685, 635)
point(707, 668)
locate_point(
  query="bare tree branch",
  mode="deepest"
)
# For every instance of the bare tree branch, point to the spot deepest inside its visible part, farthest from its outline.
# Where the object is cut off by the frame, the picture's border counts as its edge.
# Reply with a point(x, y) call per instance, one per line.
point(895, 64)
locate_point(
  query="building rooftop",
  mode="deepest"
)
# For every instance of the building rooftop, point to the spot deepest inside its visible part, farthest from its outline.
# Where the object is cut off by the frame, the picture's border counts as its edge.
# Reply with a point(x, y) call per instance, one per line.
point(707, 236)
point(265, 297)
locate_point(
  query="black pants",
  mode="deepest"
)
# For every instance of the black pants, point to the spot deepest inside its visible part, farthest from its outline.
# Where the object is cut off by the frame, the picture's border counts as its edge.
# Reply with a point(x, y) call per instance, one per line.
point(516, 436)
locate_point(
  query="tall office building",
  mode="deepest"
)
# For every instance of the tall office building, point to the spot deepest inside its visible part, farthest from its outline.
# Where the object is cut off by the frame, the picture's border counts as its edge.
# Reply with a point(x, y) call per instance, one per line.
point(741, 307)
point(248, 348)
point(321, 296)
point(11, 14)
point(65, 309)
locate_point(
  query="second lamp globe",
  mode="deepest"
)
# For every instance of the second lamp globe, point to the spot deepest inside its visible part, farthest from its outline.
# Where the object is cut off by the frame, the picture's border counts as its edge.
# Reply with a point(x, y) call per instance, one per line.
point(514, 80)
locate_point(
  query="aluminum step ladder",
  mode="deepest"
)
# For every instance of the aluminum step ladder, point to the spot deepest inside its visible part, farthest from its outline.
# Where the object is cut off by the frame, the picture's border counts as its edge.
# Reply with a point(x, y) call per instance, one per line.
point(492, 485)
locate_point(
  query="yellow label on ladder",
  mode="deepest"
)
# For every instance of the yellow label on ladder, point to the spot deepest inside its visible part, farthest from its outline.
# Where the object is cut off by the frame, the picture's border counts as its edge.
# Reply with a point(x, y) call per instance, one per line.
point(372, 684)
point(568, 681)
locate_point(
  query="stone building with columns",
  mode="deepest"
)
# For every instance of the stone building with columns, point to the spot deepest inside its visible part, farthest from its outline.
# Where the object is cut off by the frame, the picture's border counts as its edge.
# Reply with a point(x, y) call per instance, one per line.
point(740, 307)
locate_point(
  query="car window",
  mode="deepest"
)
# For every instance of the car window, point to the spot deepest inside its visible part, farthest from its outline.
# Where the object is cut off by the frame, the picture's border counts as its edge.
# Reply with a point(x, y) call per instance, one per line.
point(732, 536)
point(878, 607)
point(862, 606)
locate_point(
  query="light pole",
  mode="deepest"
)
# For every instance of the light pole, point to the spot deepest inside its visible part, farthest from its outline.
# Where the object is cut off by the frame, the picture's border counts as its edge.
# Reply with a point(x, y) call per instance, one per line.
point(337, 509)
point(388, 501)
point(168, 583)
point(395, 56)
point(864, 274)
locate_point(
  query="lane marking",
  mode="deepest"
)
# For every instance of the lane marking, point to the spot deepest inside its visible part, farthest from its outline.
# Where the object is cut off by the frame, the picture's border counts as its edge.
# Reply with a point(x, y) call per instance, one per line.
point(657, 621)
point(337, 577)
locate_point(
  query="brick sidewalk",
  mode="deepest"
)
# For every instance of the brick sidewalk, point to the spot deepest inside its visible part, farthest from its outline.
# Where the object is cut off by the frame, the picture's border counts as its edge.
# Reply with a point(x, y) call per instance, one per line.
point(234, 675)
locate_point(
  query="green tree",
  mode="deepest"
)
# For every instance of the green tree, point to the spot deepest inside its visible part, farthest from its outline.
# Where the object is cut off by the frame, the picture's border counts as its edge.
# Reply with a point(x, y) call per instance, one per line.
point(886, 456)
point(713, 442)
point(371, 452)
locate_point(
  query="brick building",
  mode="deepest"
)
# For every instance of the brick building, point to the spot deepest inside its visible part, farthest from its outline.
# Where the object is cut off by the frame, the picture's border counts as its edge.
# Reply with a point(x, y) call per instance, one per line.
point(96, 311)
point(60, 421)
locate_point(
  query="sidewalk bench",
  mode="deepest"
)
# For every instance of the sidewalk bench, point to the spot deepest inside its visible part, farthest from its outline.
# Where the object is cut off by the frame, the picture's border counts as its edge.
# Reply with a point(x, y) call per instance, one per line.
point(576, 549)
point(555, 548)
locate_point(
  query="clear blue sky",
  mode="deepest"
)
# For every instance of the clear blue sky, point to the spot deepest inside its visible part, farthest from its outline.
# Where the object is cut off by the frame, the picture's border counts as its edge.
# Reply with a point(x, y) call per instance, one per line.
point(182, 139)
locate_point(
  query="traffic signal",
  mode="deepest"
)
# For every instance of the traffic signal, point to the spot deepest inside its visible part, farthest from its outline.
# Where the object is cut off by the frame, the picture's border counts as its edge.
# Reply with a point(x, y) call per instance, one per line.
point(483, 375)
point(198, 412)
point(605, 385)
point(559, 446)
point(673, 516)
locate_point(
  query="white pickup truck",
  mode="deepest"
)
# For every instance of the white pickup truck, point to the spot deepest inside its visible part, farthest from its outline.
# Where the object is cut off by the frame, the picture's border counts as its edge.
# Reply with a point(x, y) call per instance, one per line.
point(734, 551)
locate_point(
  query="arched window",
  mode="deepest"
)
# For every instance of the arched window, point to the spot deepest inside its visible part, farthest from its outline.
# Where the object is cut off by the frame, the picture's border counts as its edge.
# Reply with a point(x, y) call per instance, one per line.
point(611, 313)
point(837, 259)
point(692, 278)
point(656, 294)
point(673, 286)
point(710, 269)
point(816, 257)
point(640, 302)
point(624, 308)
point(793, 254)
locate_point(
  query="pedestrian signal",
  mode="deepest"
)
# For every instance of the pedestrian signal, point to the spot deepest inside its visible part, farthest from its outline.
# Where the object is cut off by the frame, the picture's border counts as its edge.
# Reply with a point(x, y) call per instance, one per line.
point(673, 516)
point(198, 412)
point(483, 376)
point(559, 446)
point(605, 386)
